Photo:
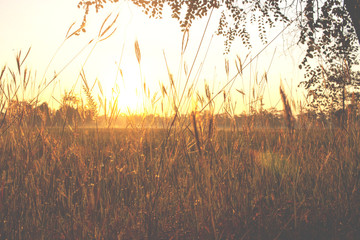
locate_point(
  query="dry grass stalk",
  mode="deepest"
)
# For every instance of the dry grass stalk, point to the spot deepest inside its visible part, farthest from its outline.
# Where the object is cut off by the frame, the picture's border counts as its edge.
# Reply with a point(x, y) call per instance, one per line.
point(196, 132)
point(211, 126)
point(289, 118)
point(102, 32)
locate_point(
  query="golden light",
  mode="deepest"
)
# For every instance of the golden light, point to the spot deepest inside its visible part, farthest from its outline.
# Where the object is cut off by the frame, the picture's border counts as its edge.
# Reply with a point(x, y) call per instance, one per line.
point(124, 86)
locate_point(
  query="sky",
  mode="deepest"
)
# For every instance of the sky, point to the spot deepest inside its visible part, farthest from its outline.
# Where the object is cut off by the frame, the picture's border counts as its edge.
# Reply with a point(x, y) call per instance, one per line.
point(112, 69)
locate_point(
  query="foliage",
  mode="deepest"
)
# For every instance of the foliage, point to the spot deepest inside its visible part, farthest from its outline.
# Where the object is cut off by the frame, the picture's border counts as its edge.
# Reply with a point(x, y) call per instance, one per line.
point(332, 89)
point(236, 14)
point(331, 56)
point(234, 21)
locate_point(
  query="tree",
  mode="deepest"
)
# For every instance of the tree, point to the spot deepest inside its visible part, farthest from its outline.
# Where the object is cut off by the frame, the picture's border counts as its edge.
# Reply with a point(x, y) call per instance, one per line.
point(353, 7)
point(331, 54)
point(42, 114)
point(18, 112)
point(68, 112)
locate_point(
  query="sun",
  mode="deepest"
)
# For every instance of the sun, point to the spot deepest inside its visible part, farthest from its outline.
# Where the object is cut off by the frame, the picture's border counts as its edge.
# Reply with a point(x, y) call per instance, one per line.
point(129, 101)
point(124, 87)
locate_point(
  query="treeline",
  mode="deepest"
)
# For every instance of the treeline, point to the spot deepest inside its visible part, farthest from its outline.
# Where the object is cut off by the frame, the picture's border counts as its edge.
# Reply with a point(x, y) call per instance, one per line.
point(22, 112)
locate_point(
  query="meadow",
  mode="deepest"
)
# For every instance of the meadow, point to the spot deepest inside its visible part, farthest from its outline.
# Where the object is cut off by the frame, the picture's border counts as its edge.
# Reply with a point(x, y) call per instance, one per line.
point(189, 179)
point(195, 183)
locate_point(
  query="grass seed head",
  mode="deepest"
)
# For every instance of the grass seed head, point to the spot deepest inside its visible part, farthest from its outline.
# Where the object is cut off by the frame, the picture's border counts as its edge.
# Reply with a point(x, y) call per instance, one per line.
point(289, 118)
point(196, 132)
point(137, 51)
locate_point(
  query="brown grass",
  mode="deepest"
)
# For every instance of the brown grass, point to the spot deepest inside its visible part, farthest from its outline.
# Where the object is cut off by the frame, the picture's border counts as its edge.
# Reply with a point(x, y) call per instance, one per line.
point(190, 179)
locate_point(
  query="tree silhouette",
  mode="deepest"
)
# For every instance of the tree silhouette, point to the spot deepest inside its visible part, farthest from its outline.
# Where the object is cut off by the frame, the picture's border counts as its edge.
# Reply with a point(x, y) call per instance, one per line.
point(353, 7)
point(68, 112)
point(331, 56)
point(18, 112)
point(42, 114)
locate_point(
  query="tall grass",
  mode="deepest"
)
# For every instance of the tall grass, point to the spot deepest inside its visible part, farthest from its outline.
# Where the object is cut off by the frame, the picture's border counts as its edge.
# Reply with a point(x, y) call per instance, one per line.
point(188, 180)
point(107, 185)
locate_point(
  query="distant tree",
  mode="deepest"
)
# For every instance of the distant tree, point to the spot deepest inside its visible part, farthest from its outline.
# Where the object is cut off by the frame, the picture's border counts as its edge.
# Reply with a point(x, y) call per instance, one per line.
point(18, 112)
point(24, 112)
point(42, 114)
point(67, 115)
point(68, 112)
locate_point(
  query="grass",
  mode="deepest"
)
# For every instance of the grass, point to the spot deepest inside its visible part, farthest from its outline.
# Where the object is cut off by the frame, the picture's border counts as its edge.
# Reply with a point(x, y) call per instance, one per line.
point(188, 180)
point(126, 184)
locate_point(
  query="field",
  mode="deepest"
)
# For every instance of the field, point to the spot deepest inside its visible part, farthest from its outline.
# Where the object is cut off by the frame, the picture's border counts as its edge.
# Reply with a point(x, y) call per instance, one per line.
point(199, 182)
point(183, 174)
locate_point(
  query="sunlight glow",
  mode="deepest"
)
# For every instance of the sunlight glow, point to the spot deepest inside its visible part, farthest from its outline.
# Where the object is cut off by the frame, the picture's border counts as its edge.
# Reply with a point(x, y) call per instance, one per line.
point(157, 39)
point(125, 86)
